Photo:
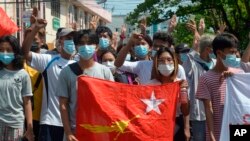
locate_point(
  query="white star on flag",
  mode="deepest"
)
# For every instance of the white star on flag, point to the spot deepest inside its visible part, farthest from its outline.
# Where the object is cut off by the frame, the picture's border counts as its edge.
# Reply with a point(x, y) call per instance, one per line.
point(153, 103)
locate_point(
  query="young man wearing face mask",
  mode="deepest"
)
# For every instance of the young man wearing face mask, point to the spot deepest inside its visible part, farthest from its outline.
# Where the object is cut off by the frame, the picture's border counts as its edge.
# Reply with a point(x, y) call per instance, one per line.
point(86, 43)
point(105, 36)
point(51, 127)
point(56, 50)
point(141, 68)
point(195, 65)
point(36, 80)
point(212, 87)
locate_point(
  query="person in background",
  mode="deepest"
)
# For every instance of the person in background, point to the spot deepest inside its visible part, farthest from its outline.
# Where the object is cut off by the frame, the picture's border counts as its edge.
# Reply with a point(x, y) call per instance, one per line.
point(212, 86)
point(105, 39)
point(15, 93)
point(182, 51)
point(37, 85)
point(162, 39)
point(51, 127)
point(164, 70)
point(198, 61)
point(87, 44)
point(57, 49)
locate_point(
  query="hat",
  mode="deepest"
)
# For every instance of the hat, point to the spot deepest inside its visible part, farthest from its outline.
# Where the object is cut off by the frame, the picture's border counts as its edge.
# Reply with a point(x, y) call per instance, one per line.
point(182, 48)
point(65, 31)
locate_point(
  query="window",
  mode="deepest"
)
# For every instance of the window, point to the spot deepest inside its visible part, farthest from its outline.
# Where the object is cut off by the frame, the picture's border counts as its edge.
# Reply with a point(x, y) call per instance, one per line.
point(76, 13)
point(82, 20)
point(33, 3)
point(55, 8)
point(71, 14)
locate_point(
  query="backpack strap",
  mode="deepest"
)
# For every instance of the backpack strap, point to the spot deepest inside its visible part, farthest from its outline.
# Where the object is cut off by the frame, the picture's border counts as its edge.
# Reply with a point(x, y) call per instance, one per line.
point(50, 62)
point(203, 65)
point(45, 75)
point(76, 69)
point(38, 80)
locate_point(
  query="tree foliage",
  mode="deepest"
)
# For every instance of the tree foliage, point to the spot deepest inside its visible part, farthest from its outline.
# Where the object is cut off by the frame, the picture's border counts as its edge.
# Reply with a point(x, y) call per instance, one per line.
point(235, 13)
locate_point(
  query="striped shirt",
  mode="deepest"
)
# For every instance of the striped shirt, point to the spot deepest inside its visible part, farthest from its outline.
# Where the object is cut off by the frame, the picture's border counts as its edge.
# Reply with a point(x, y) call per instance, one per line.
point(211, 88)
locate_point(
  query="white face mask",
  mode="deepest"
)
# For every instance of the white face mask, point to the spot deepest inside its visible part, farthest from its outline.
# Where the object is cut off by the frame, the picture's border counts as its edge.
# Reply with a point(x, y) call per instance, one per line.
point(166, 69)
point(110, 64)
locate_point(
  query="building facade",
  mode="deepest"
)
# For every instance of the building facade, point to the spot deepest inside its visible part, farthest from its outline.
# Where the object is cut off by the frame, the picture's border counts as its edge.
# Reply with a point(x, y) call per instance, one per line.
point(74, 14)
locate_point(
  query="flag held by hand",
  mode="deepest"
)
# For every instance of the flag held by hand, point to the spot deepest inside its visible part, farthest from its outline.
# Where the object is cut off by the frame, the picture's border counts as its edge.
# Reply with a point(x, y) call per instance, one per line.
point(120, 112)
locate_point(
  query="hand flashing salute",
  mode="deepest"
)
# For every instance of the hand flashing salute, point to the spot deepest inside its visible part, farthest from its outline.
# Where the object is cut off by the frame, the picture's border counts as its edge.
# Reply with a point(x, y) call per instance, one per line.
point(172, 24)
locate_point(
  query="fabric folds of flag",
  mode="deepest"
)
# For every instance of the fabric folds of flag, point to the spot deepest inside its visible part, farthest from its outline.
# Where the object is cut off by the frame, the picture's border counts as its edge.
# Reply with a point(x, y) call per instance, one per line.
point(109, 111)
point(7, 26)
point(237, 104)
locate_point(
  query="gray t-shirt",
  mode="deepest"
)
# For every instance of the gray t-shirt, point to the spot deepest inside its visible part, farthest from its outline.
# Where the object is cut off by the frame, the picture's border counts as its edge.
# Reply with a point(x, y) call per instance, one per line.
point(14, 85)
point(68, 81)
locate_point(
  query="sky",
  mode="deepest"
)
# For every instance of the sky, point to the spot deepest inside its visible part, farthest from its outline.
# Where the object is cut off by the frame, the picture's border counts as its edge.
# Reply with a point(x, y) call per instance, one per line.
point(121, 7)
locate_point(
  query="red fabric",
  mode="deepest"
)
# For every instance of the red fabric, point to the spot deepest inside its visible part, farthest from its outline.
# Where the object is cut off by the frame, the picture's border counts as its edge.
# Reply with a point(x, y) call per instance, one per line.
point(7, 26)
point(102, 105)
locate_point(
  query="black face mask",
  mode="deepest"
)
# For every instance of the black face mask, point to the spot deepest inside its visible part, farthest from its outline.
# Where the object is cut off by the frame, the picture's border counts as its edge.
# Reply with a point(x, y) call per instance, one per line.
point(34, 47)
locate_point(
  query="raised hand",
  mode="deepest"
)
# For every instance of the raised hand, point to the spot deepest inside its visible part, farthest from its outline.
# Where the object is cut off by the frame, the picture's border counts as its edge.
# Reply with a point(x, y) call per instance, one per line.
point(172, 24)
point(123, 29)
point(222, 27)
point(35, 21)
point(143, 25)
point(202, 26)
point(114, 40)
point(191, 25)
point(94, 21)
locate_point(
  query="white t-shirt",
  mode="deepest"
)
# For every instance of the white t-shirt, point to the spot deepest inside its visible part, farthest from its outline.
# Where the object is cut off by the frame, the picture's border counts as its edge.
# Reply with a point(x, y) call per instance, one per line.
point(143, 70)
point(50, 113)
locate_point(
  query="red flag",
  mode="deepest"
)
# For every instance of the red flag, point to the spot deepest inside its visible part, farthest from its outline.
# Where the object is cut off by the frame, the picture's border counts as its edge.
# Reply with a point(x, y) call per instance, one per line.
point(109, 111)
point(7, 26)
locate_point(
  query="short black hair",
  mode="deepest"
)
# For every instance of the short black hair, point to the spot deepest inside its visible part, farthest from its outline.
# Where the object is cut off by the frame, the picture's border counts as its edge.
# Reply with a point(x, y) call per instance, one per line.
point(224, 40)
point(93, 38)
point(102, 29)
point(18, 61)
point(164, 36)
point(148, 39)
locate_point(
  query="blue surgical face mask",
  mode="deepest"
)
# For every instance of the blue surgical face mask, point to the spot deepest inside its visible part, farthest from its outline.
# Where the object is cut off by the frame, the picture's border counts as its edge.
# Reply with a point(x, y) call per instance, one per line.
point(69, 47)
point(184, 57)
point(128, 57)
point(6, 58)
point(231, 61)
point(86, 51)
point(153, 53)
point(103, 43)
point(141, 51)
point(212, 56)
